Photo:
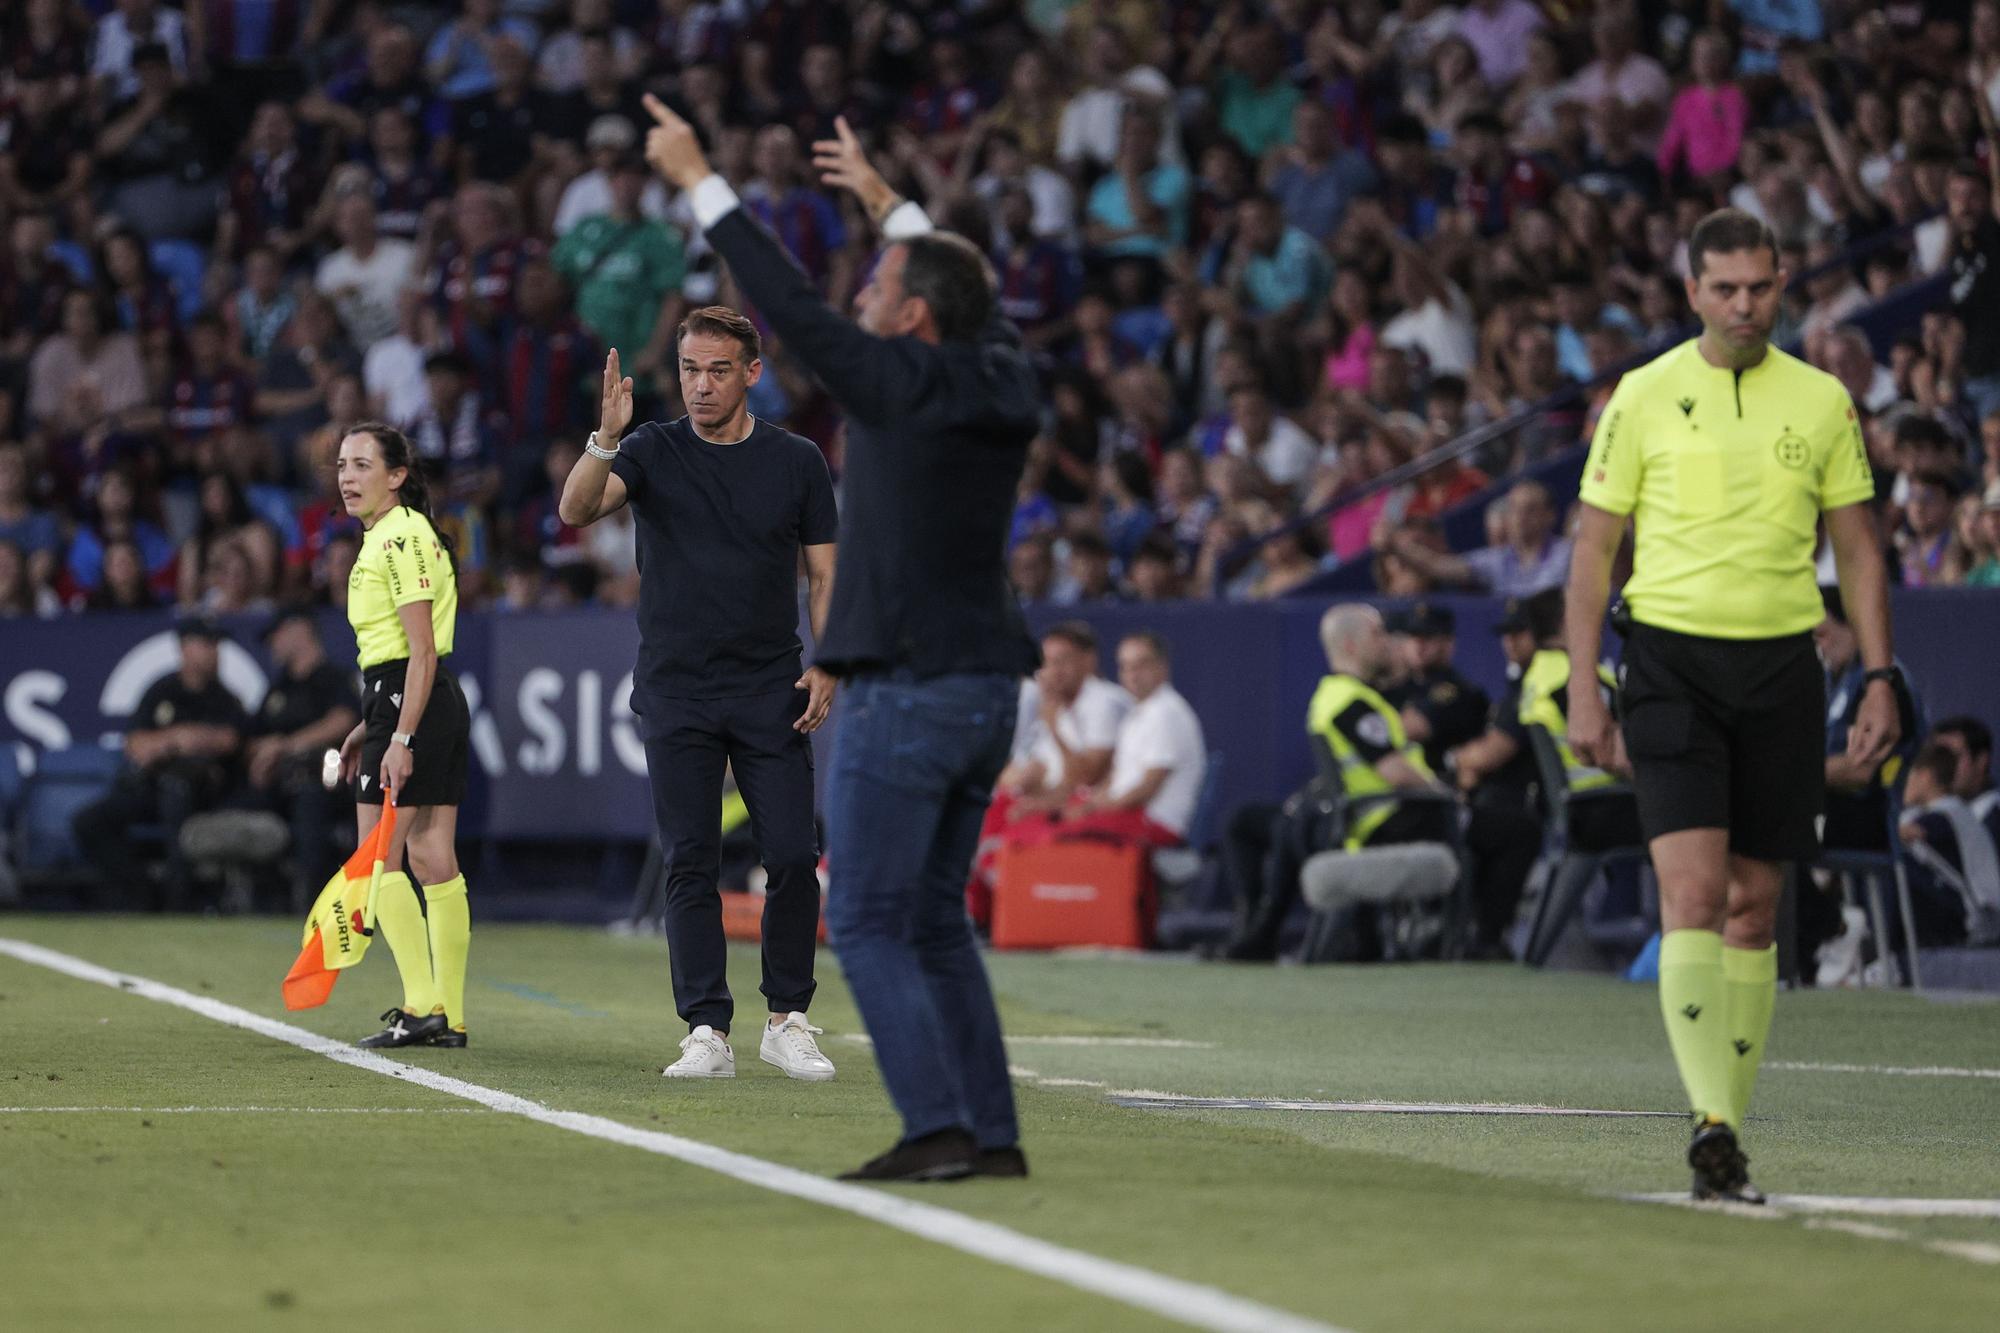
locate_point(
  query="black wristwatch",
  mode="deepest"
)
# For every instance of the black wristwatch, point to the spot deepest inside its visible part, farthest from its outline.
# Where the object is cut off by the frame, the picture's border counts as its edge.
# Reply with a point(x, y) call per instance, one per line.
point(1892, 674)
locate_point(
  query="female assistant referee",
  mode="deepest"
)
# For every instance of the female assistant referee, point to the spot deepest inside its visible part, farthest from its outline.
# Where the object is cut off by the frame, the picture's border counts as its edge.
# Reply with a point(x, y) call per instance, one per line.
point(402, 600)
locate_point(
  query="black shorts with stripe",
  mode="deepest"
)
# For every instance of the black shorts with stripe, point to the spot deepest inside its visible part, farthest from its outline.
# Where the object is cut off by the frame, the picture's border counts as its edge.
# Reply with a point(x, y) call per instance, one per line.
point(440, 747)
point(1728, 734)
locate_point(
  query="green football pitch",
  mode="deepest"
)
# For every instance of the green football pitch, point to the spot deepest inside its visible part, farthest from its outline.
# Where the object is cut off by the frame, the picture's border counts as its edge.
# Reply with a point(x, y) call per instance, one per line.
point(166, 1165)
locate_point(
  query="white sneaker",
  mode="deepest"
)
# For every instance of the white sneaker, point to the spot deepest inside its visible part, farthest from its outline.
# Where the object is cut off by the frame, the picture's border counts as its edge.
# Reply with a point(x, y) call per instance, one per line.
point(1839, 958)
point(705, 1053)
point(790, 1046)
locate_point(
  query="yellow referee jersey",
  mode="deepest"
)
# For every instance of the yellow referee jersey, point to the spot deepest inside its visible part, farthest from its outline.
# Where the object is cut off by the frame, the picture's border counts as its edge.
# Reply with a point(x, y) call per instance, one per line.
point(401, 561)
point(1725, 474)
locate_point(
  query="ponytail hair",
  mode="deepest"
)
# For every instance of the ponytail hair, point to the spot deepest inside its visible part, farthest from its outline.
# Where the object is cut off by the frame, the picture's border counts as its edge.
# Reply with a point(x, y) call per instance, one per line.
point(415, 492)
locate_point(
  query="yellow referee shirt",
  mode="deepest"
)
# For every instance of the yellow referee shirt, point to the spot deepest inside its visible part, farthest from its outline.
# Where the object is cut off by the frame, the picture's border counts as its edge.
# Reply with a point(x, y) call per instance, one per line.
point(1724, 474)
point(401, 562)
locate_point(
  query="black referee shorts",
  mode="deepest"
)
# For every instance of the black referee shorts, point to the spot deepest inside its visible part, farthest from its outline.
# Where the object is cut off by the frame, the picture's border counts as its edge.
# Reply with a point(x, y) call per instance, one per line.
point(440, 747)
point(1728, 734)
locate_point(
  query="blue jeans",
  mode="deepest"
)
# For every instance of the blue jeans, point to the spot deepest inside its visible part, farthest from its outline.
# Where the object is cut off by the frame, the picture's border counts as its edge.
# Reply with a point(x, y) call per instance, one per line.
point(914, 764)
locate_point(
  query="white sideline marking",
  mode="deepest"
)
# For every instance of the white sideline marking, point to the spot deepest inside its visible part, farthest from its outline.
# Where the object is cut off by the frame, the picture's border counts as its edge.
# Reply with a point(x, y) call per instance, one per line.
point(1184, 1302)
point(1904, 1071)
point(1979, 1251)
point(1141, 1043)
point(1169, 1101)
point(247, 1110)
point(1866, 1230)
point(1859, 1205)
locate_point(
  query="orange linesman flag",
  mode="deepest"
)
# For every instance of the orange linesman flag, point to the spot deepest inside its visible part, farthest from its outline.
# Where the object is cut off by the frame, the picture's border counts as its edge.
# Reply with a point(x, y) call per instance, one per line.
point(338, 928)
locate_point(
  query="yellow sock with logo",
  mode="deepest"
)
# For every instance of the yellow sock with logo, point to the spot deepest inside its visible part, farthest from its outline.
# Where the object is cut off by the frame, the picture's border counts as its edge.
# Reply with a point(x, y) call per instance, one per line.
point(400, 918)
point(451, 939)
point(1692, 1001)
point(1750, 993)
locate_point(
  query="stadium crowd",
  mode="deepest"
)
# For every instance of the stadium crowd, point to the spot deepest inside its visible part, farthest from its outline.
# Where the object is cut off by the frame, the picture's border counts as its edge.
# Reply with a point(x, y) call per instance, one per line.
point(1264, 254)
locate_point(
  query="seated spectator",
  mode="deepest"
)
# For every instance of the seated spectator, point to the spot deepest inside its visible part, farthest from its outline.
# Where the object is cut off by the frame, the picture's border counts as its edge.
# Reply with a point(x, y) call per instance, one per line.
point(407, 191)
point(261, 308)
point(1288, 557)
point(1494, 184)
point(1009, 168)
point(1040, 278)
point(124, 31)
point(1705, 128)
point(626, 270)
point(1452, 91)
point(181, 748)
point(1621, 73)
point(229, 524)
point(610, 140)
point(1320, 177)
point(21, 594)
point(312, 353)
point(459, 60)
point(1031, 567)
point(1140, 207)
point(1087, 572)
point(1924, 539)
point(33, 533)
point(1971, 744)
point(1183, 501)
point(1533, 557)
point(551, 371)
point(1985, 571)
point(1351, 330)
point(1156, 769)
point(1129, 516)
point(366, 276)
point(559, 66)
point(472, 278)
point(1277, 271)
point(272, 187)
point(1281, 449)
point(154, 154)
point(209, 397)
point(1954, 871)
point(125, 586)
point(85, 352)
point(499, 134)
point(1154, 571)
point(308, 709)
point(118, 518)
point(782, 197)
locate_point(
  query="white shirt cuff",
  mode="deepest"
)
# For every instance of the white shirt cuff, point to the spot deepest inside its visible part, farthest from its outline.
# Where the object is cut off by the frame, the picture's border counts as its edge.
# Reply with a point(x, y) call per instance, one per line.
point(711, 200)
point(905, 220)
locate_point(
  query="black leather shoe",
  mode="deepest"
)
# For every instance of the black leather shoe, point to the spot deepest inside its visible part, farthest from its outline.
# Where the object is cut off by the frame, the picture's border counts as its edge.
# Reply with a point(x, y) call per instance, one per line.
point(949, 1154)
point(1005, 1163)
point(1721, 1171)
point(405, 1029)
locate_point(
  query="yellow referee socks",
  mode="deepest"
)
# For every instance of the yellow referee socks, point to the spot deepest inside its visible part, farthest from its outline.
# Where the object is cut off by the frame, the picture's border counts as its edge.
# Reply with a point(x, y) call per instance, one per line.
point(451, 938)
point(1692, 1001)
point(401, 920)
point(1750, 992)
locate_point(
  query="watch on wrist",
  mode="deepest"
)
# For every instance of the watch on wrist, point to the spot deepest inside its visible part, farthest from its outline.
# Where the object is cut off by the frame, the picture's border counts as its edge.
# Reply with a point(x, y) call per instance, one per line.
point(402, 738)
point(1893, 675)
point(595, 450)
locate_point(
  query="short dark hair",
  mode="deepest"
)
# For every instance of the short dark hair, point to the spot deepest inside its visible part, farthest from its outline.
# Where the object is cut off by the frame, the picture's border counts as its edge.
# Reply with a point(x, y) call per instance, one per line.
point(1076, 633)
point(1156, 645)
point(949, 274)
point(1978, 737)
point(1939, 761)
point(1089, 543)
point(1728, 231)
point(1157, 546)
point(719, 321)
point(1920, 431)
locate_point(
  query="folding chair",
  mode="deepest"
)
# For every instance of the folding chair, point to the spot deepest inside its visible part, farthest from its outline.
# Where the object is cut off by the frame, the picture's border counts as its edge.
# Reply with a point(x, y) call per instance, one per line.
point(1566, 872)
point(1870, 869)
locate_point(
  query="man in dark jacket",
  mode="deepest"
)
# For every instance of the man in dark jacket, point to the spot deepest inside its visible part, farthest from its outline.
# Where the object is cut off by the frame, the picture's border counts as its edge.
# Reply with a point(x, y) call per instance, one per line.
point(941, 404)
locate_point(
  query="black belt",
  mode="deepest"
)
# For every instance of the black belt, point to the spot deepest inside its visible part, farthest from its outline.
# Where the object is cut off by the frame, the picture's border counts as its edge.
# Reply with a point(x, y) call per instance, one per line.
point(384, 670)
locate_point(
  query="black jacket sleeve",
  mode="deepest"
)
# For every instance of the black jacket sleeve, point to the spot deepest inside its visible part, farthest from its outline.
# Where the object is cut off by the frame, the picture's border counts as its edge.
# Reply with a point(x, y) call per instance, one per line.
point(881, 381)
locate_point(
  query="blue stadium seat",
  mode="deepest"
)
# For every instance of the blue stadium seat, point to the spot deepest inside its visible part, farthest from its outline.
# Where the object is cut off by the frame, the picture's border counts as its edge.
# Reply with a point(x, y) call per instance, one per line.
point(65, 782)
point(185, 267)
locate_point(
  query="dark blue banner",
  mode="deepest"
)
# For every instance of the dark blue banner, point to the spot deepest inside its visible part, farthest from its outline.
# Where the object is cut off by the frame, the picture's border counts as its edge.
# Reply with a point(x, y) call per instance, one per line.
point(556, 751)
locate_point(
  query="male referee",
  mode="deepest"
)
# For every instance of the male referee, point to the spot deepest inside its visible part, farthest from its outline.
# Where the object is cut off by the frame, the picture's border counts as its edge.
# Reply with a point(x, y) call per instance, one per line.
point(724, 505)
point(1725, 453)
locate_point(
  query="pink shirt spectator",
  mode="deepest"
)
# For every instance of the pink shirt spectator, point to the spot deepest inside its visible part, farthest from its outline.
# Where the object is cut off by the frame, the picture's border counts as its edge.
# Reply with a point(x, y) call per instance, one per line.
point(1347, 368)
point(1348, 530)
point(1705, 131)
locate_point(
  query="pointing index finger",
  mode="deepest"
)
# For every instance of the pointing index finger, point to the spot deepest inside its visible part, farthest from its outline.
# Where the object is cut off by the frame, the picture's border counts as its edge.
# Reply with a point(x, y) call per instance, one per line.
point(847, 139)
point(661, 112)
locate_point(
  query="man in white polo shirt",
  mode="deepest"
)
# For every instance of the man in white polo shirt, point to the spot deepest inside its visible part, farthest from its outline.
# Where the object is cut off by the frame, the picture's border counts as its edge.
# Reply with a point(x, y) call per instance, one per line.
point(1063, 740)
point(1156, 769)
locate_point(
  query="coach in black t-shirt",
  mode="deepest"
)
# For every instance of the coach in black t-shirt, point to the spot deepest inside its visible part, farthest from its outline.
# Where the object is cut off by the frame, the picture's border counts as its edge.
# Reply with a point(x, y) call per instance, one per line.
point(724, 505)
